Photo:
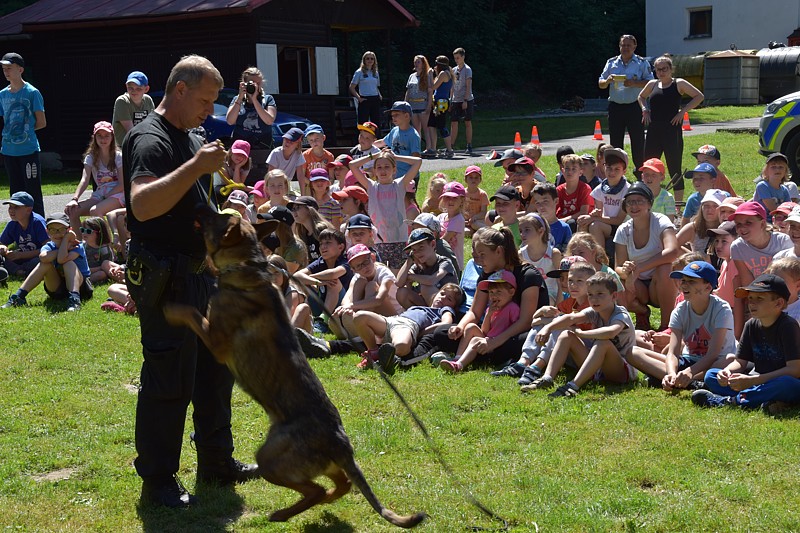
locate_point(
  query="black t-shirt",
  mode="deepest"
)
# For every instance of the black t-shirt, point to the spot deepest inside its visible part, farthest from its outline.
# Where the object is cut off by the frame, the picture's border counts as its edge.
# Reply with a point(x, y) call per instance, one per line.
point(527, 276)
point(155, 147)
point(770, 348)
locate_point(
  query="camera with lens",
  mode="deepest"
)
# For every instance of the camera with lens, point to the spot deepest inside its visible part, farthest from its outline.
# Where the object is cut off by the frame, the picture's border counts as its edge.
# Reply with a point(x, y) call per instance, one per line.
point(250, 87)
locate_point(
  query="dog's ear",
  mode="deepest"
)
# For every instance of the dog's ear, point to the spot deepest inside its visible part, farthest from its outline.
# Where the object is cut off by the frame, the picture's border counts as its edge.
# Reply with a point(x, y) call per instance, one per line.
point(266, 228)
point(233, 234)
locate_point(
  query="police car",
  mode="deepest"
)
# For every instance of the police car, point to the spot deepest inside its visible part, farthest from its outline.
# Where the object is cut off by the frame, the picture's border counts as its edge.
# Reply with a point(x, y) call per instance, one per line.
point(779, 130)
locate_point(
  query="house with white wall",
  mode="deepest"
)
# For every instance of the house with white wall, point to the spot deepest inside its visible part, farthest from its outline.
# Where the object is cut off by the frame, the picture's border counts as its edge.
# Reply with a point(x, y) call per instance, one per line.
point(693, 26)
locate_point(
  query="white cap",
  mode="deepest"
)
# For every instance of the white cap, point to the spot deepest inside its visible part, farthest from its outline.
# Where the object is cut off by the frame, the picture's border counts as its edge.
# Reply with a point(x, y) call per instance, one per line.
point(714, 195)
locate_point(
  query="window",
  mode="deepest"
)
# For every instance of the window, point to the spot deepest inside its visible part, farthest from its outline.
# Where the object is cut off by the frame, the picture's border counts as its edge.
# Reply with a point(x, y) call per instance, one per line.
point(699, 23)
point(294, 70)
point(297, 70)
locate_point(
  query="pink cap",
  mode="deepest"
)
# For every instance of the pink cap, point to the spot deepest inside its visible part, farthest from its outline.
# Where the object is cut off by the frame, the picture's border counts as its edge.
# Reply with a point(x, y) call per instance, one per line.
point(357, 250)
point(501, 276)
point(318, 174)
point(350, 180)
point(733, 201)
point(654, 164)
point(453, 189)
point(103, 125)
point(750, 209)
point(785, 208)
point(473, 169)
point(241, 147)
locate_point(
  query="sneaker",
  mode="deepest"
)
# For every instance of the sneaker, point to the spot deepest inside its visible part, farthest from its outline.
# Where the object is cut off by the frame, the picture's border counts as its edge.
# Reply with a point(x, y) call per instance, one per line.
point(312, 346)
point(74, 304)
point(696, 384)
point(14, 301)
point(387, 358)
point(449, 154)
point(319, 325)
point(774, 407)
point(706, 398)
point(543, 382)
point(429, 153)
point(451, 366)
point(168, 492)
point(513, 370)
point(468, 151)
point(3, 277)
point(530, 375)
point(653, 382)
point(438, 357)
point(564, 391)
point(224, 472)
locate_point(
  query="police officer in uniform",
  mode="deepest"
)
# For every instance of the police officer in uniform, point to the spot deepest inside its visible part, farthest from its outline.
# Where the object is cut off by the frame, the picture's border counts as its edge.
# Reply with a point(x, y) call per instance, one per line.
point(167, 174)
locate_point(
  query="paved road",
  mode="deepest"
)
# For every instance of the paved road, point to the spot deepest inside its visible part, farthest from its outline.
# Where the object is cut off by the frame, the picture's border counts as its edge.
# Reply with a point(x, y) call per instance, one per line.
point(579, 144)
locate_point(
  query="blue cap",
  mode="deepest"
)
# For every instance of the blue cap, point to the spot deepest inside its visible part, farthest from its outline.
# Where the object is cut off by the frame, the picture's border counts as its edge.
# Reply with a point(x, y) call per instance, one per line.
point(20, 198)
point(313, 128)
point(708, 168)
point(138, 78)
point(294, 134)
point(359, 220)
point(699, 270)
point(400, 105)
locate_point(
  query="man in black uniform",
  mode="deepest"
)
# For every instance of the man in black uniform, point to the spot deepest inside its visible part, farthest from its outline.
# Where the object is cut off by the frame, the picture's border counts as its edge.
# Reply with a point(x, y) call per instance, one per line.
point(167, 174)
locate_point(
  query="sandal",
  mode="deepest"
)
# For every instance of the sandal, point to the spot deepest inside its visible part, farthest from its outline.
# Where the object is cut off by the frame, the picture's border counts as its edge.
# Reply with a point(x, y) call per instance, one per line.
point(531, 374)
point(538, 384)
point(565, 391)
point(451, 366)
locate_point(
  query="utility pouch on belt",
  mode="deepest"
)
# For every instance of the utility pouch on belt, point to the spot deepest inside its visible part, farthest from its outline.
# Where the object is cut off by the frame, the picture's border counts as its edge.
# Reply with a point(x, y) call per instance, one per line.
point(147, 277)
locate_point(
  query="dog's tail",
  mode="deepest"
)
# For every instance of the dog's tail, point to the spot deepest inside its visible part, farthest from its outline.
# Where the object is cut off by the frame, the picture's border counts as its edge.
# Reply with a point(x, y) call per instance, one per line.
point(357, 477)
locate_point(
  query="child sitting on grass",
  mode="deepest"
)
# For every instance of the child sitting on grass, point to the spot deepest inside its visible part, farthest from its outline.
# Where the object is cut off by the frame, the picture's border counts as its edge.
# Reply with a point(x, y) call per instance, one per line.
point(605, 357)
point(97, 240)
point(788, 269)
point(602, 222)
point(702, 323)
point(400, 333)
point(431, 203)
point(574, 195)
point(424, 272)
point(452, 221)
point(771, 192)
point(545, 201)
point(653, 174)
point(534, 357)
point(329, 208)
point(501, 313)
point(476, 202)
point(769, 341)
point(62, 266)
point(538, 251)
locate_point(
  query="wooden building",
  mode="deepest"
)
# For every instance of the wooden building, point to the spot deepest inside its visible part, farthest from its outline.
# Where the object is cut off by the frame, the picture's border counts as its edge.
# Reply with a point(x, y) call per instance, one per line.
point(79, 52)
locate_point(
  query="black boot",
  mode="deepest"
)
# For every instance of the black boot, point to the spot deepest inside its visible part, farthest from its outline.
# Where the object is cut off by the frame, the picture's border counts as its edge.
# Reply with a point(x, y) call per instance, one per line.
point(224, 471)
point(166, 492)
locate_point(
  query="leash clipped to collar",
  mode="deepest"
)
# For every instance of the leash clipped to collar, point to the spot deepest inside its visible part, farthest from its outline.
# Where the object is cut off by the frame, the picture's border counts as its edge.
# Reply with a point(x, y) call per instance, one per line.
point(437, 451)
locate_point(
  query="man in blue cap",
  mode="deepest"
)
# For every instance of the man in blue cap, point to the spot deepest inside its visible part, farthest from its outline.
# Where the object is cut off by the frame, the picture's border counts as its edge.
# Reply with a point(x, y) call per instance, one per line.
point(132, 106)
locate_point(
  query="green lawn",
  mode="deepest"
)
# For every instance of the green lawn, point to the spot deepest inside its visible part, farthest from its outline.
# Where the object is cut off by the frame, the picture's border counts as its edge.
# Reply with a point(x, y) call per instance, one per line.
point(612, 459)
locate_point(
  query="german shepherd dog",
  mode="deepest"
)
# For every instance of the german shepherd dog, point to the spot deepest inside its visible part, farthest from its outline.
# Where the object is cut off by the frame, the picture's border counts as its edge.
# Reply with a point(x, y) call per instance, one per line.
point(248, 329)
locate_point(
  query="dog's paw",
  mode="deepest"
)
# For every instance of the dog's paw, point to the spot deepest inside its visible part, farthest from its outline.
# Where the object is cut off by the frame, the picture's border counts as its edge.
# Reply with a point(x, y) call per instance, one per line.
point(280, 516)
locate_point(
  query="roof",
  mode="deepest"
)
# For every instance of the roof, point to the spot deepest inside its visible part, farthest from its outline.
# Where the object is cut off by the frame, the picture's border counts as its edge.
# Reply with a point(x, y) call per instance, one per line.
point(52, 14)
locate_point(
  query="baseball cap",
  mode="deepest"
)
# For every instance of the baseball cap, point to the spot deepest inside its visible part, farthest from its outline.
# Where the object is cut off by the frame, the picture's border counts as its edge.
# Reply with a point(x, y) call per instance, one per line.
point(619, 153)
point(708, 168)
point(640, 189)
point(750, 208)
point(359, 220)
point(590, 157)
point(419, 235)
point(698, 270)
point(307, 201)
point(765, 283)
point(350, 179)
point(241, 147)
point(427, 220)
point(784, 209)
point(138, 78)
point(654, 164)
point(318, 174)
point(357, 250)
point(352, 191)
point(473, 169)
point(453, 189)
point(522, 162)
point(566, 262)
point(12, 58)
point(400, 105)
point(313, 128)
point(777, 155)
point(342, 160)
point(501, 276)
point(238, 196)
point(726, 228)
point(294, 134)
point(103, 125)
point(369, 127)
point(511, 153)
point(708, 149)
point(279, 213)
point(230, 211)
point(732, 201)
point(715, 196)
point(506, 192)
point(20, 198)
point(57, 218)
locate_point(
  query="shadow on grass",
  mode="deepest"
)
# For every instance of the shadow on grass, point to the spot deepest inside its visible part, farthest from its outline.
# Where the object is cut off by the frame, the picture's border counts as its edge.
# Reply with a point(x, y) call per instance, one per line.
point(216, 510)
point(329, 523)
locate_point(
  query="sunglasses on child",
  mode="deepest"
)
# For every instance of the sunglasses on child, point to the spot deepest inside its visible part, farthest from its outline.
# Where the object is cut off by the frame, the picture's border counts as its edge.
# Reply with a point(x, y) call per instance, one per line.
point(87, 231)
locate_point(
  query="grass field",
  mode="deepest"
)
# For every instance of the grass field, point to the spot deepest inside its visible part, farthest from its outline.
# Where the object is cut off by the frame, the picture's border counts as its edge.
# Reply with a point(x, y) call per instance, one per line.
point(612, 459)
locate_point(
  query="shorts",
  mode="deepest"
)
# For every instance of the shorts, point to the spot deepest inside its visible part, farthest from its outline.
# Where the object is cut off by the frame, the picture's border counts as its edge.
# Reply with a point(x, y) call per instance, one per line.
point(392, 253)
point(61, 293)
point(103, 190)
point(417, 111)
point(685, 361)
point(394, 323)
point(456, 113)
point(632, 373)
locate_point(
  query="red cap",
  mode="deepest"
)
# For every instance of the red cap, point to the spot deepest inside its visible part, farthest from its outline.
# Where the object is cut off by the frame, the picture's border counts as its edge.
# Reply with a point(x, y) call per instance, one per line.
point(653, 164)
point(353, 191)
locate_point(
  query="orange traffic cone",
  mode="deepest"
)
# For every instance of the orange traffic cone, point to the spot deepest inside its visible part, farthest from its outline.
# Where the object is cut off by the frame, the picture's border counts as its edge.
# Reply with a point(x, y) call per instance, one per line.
point(517, 141)
point(534, 135)
point(686, 125)
point(598, 133)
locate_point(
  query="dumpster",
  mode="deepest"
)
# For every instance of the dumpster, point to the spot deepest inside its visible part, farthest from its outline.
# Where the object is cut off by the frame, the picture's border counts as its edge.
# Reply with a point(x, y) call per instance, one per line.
point(731, 78)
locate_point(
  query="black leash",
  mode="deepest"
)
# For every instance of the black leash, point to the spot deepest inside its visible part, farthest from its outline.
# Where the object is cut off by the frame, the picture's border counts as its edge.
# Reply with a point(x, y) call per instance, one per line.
point(437, 451)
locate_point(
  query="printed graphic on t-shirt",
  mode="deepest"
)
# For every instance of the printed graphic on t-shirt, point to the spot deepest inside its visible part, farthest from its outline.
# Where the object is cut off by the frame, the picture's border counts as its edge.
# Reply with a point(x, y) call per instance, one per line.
point(139, 116)
point(697, 343)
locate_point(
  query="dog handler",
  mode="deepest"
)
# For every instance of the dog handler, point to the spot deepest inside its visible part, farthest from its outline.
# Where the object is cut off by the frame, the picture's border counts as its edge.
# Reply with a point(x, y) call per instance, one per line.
point(167, 174)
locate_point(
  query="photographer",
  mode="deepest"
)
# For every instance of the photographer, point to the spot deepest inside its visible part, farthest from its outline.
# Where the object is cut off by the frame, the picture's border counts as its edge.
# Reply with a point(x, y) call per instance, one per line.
point(253, 120)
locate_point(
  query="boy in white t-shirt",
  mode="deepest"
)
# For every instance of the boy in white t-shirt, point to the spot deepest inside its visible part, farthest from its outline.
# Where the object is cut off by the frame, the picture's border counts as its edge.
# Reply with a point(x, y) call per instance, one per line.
point(608, 214)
